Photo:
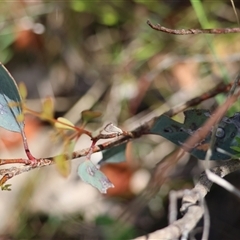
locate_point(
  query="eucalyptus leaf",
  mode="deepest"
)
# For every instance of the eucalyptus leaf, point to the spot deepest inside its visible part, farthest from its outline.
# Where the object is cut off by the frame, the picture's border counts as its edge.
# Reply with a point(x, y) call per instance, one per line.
point(22, 89)
point(88, 115)
point(64, 123)
point(47, 109)
point(10, 102)
point(178, 133)
point(236, 148)
point(62, 165)
point(90, 174)
point(114, 154)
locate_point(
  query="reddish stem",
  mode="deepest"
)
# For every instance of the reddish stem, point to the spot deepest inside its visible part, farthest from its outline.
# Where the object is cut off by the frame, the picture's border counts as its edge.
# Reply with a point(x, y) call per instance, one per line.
point(11, 161)
point(33, 160)
point(91, 149)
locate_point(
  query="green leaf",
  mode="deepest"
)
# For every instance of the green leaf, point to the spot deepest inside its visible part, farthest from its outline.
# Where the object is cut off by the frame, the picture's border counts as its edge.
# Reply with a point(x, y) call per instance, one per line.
point(22, 90)
point(178, 133)
point(47, 109)
point(237, 140)
point(124, 230)
point(236, 148)
point(109, 16)
point(145, 52)
point(90, 174)
point(63, 123)
point(10, 102)
point(63, 166)
point(78, 6)
point(114, 155)
point(88, 115)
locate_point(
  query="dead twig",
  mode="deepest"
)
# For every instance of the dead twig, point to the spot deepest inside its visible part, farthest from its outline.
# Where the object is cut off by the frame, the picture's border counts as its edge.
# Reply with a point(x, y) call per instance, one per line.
point(136, 133)
point(160, 28)
point(220, 88)
point(191, 208)
point(206, 128)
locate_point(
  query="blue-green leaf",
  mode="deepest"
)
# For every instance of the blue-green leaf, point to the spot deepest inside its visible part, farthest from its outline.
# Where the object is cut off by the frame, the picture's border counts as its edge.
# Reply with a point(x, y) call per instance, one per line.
point(114, 154)
point(89, 173)
point(10, 103)
point(178, 133)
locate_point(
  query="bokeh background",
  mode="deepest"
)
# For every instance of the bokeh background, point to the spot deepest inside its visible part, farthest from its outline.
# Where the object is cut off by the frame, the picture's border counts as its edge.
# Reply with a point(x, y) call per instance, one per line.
point(101, 55)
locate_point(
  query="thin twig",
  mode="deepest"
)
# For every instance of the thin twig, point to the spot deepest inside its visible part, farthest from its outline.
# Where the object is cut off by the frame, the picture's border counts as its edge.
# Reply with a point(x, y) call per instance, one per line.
point(201, 134)
point(214, 131)
point(206, 220)
point(234, 85)
point(160, 28)
point(190, 204)
point(220, 88)
point(212, 176)
point(235, 12)
point(127, 136)
point(204, 185)
point(170, 231)
point(175, 230)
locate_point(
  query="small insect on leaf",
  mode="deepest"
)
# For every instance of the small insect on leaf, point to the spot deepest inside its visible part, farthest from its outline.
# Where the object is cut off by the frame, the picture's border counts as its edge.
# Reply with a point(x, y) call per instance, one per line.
point(89, 173)
point(62, 165)
point(10, 102)
point(88, 115)
point(47, 109)
point(63, 123)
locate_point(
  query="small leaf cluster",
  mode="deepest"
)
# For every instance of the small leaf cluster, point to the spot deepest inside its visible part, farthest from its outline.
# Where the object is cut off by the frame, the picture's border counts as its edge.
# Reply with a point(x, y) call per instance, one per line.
point(12, 110)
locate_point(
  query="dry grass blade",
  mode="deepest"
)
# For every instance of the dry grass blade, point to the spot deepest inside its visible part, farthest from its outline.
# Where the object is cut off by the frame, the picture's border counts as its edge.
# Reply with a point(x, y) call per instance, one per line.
point(235, 11)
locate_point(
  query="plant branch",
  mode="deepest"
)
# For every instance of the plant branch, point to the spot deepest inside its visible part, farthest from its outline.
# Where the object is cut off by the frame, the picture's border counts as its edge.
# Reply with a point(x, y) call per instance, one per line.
point(220, 88)
point(191, 208)
point(127, 136)
point(160, 28)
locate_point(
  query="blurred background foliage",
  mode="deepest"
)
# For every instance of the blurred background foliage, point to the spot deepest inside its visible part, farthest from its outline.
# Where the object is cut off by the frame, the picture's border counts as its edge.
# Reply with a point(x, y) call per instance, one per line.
point(102, 55)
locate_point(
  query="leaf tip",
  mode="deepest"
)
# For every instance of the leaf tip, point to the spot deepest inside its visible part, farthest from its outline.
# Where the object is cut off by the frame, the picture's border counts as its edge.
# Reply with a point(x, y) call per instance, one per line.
point(64, 123)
